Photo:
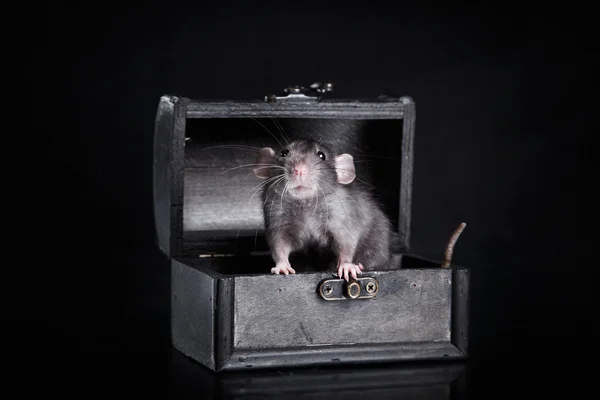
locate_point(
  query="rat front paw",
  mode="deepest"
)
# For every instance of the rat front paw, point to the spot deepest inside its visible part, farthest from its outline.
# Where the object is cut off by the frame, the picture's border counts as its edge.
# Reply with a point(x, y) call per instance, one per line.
point(345, 270)
point(283, 268)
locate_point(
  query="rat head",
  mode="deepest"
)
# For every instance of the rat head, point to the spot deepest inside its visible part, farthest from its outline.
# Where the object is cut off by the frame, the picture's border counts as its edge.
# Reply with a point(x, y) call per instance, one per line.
point(306, 167)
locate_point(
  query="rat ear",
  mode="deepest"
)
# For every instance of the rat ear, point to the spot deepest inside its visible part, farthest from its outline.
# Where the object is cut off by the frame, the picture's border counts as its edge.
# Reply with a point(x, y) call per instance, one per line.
point(265, 156)
point(344, 167)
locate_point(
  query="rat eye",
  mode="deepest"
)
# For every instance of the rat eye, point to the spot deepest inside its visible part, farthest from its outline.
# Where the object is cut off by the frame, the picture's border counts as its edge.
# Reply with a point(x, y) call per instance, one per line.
point(321, 155)
point(284, 153)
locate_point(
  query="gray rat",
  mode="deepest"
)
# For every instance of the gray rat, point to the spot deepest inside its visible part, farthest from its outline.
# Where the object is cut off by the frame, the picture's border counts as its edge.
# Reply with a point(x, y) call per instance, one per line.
point(311, 198)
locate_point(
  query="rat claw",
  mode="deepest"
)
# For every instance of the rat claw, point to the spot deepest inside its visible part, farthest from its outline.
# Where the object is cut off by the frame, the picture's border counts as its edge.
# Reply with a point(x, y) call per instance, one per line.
point(345, 270)
point(282, 269)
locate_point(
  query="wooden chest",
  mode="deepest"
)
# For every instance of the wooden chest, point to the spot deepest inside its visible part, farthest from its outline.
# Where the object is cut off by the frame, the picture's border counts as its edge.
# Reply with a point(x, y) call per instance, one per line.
point(227, 310)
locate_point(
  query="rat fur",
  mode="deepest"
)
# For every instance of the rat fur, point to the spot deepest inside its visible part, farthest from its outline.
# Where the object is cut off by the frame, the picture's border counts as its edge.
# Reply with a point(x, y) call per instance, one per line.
point(312, 199)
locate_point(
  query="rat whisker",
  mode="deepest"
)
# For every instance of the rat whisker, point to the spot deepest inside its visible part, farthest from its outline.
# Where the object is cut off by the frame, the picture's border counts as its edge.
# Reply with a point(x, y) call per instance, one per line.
point(284, 192)
point(326, 204)
point(263, 205)
point(280, 127)
point(255, 237)
point(258, 187)
point(314, 183)
point(275, 183)
point(270, 166)
point(274, 137)
point(254, 194)
point(267, 167)
point(342, 204)
point(272, 187)
point(271, 208)
point(231, 146)
point(357, 178)
point(252, 165)
point(268, 183)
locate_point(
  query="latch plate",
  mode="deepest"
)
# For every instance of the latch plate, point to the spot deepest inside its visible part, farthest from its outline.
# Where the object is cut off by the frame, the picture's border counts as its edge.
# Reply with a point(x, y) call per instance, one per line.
point(364, 287)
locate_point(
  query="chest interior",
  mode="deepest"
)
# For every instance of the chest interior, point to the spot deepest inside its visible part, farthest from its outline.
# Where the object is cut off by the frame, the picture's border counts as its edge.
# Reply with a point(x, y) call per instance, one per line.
point(222, 205)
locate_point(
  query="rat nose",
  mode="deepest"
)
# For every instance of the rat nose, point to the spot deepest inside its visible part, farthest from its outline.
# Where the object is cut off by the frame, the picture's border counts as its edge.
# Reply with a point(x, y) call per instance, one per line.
point(300, 169)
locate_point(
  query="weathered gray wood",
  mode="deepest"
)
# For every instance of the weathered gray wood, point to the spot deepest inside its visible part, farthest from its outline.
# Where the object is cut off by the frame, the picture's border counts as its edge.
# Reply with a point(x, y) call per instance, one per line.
point(177, 161)
point(340, 355)
point(225, 322)
point(277, 311)
point(193, 301)
point(325, 109)
point(217, 201)
point(177, 172)
point(162, 184)
point(264, 320)
point(460, 308)
point(406, 173)
point(169, 134)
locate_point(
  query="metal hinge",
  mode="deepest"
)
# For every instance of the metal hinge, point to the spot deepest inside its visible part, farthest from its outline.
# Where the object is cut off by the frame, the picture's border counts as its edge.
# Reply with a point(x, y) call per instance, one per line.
point(300, 93)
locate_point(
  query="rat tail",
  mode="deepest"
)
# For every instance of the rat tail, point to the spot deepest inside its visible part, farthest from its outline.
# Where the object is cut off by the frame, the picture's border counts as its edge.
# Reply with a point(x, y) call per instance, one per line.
point(451, 243)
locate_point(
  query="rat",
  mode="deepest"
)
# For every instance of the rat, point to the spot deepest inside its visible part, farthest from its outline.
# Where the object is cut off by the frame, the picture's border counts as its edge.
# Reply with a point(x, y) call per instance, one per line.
point(311, 198)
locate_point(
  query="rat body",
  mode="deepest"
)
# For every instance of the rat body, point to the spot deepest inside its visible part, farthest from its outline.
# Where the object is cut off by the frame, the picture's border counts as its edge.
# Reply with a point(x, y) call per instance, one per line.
point(311, 198)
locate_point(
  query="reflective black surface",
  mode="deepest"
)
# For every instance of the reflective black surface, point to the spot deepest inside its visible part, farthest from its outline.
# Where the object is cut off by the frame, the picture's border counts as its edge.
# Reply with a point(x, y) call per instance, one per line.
point(91, 347)
point(500, 143)
point(408, 381)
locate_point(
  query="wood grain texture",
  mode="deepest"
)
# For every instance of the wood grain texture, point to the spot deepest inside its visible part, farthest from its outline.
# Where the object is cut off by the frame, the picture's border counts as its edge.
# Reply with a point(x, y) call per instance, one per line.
point(193, 299)
point(324, 109)
point(406, 175)
point(276, 311)
point(341, 355)
point(162, 179)
point(461, 308)
point(264, 320)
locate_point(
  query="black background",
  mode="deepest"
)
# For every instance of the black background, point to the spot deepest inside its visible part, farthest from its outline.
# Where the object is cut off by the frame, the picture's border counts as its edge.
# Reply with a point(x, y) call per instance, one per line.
point(499, 127)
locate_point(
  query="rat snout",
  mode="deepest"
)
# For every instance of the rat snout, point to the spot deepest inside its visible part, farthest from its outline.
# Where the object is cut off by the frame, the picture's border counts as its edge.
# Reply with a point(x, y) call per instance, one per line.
point(300, 169)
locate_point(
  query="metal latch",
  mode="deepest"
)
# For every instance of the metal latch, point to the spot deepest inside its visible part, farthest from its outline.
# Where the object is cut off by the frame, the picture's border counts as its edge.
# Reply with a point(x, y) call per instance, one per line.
point(299, 93)
point(214, 255)
point(364, 287)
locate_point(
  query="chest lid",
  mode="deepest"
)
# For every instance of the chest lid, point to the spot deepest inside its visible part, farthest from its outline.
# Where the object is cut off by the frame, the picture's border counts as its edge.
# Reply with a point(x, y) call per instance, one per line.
point(206, 196)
